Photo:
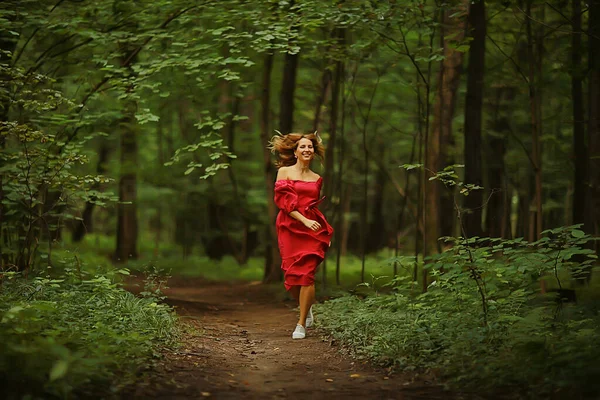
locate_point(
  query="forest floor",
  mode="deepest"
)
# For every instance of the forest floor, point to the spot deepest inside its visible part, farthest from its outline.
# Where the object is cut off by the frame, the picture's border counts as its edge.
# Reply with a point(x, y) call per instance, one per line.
point(237, 345)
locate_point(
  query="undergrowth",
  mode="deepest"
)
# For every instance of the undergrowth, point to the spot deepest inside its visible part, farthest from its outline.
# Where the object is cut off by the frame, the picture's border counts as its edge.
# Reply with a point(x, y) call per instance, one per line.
point(483, 324)
point(76, 335)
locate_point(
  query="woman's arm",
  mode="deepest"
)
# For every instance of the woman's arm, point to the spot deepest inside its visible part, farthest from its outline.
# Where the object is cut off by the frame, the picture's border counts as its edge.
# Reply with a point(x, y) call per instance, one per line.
point(309, 223)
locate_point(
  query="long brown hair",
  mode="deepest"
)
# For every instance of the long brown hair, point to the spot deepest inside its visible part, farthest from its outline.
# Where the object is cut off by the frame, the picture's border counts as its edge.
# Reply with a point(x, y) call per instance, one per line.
point(285, 145)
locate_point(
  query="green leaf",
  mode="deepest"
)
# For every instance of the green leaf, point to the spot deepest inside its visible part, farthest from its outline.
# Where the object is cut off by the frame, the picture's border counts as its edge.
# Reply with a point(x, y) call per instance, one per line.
point(59, 369)
point(577, 233)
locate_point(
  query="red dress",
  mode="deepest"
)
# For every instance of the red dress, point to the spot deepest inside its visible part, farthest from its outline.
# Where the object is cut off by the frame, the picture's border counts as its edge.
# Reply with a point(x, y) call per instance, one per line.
point(301, 248)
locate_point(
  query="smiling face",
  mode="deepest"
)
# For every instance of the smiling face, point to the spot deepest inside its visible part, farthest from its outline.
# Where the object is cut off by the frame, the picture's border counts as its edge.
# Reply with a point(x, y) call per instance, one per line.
point(305, 150)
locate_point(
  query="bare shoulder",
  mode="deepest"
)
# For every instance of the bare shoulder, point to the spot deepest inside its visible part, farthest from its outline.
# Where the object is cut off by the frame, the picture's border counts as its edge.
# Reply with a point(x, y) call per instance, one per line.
point(283, 173)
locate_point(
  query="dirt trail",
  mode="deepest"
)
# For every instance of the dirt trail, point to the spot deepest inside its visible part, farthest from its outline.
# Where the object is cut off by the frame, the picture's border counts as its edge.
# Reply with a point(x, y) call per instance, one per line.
point(240, 347)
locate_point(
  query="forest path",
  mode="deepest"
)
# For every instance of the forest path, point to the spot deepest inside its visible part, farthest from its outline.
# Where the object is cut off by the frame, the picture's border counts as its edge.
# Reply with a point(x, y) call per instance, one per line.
point(240, 347)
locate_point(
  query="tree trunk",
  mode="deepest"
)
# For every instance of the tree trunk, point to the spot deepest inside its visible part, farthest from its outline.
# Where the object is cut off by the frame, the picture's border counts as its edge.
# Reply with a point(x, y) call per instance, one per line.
point(593, 195)
point(345, 231)
point(522, 229)
point(288, 88)
point(272, 257)
point(8, 43)
point(321, 98)
point(497, 187)
point(534, 61)
point(473, 119)
point(377, 226)
point(127, 225)
point(579, 146)
point(160, 160)
point(441, 129)
point(333, 120)
point(85, 225)
point(344, 204)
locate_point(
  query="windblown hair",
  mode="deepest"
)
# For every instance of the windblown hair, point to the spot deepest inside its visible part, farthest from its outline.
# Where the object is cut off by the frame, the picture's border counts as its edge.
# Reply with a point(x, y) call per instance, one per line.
point(285, 145)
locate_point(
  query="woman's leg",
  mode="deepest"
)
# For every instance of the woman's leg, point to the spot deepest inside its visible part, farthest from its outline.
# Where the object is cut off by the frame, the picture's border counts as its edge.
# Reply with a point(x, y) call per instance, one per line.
point(307, 299)
point(295, 292)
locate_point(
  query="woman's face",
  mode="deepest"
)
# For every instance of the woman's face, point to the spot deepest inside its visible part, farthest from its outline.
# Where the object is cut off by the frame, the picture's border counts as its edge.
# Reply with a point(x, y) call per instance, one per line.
point(305, 150)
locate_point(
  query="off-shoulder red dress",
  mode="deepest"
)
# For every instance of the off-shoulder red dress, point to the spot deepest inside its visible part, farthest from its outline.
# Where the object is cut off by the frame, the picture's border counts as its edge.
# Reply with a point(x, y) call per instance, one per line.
point(301, 248)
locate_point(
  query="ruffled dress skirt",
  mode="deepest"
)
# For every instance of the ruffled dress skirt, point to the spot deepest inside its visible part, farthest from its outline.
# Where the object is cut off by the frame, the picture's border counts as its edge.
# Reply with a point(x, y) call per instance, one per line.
point(301, 249)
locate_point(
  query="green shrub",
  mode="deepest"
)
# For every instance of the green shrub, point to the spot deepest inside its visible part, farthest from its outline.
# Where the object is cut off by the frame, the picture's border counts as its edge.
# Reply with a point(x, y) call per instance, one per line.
point(482, 323)
point(64, 336)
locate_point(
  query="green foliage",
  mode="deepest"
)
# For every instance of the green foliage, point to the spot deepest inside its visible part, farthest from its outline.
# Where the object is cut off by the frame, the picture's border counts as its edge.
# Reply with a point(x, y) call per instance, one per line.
point(482, 322)
point(37, 163)
point(59, 337)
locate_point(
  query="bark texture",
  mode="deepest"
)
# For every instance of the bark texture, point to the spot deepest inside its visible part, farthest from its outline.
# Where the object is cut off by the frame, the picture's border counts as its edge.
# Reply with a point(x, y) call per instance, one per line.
point(473, 119)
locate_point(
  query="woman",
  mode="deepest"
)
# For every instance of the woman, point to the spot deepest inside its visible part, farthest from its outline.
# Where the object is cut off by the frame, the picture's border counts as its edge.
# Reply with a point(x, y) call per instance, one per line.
point(302, 231)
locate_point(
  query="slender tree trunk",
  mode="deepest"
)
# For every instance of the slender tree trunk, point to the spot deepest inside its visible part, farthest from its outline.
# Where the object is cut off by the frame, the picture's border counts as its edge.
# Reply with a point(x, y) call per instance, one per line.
point(160, 160)
point(593, 195)
point(377, 226)
point(345, 231)
point(85, 225)
point(522, 229)
point(322, 96)
point(333, 121)
point(8, 43)
point(579, 146)
point(127, 224)
point(342, 209)
point(288, 88)
point(497, 186)
point(365, 206)
point(272, 257)
point(441, 130)
point(534, 61)
point(473, 119)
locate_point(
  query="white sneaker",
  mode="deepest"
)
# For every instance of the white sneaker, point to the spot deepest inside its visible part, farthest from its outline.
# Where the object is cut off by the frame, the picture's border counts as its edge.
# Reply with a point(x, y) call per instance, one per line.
point(310, 318)
point(299, 332)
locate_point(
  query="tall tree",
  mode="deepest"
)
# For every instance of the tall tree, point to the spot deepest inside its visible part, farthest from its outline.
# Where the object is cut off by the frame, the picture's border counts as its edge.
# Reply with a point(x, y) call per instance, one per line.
point(127, 219)
point(579, 146)
point(498, 208)
point(534, 61)
point(8, 43)
point(127, 222)
point(473, 118)
point(288, 87)
point(339, 35)
point(452, 32)
point(85, 224)
point(272, 258)
point(593, 196)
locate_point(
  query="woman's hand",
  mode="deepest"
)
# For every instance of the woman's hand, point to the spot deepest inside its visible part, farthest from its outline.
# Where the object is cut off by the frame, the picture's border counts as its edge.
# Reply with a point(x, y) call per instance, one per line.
point(312, 224)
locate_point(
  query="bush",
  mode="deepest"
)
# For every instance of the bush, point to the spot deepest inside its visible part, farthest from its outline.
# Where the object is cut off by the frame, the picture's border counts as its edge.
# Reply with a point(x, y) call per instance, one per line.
point(482, 323)
point(64, 336)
